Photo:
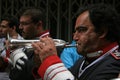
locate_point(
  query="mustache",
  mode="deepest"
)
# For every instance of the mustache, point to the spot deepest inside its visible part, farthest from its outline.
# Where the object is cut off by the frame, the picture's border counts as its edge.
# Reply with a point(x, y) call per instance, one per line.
point(21, 31)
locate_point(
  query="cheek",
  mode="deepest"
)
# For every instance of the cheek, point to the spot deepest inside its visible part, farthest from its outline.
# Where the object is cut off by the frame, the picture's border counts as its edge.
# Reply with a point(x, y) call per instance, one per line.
point(83, 39)
point(27, 29)
point(87, 40)
point(90, 41)
point(31, 28)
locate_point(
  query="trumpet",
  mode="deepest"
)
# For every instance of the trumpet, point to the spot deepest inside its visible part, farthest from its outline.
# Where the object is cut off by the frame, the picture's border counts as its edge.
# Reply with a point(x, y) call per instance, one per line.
point(58, 43)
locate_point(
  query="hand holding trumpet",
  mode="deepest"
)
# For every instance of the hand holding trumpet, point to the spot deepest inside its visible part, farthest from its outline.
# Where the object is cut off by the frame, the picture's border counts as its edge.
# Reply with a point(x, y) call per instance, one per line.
point(44, 48)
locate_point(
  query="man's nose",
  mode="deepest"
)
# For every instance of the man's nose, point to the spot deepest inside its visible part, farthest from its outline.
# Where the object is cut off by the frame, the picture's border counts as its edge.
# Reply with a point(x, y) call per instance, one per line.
point(20, 26)
point(75, 36)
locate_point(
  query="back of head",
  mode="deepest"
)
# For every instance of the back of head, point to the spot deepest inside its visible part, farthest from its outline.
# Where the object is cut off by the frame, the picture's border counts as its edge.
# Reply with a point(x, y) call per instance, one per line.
point(104, 16)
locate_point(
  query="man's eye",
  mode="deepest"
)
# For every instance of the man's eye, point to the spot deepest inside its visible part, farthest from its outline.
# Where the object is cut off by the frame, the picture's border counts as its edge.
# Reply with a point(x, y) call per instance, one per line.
point(81, 29)
point(25, 23)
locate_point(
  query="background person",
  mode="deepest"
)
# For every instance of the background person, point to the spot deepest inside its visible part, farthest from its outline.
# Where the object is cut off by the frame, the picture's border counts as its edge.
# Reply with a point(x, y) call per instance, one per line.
point(32, 26)
point(9, 25)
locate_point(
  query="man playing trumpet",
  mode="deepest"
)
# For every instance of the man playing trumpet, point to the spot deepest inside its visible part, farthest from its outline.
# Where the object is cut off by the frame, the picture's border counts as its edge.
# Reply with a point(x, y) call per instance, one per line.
point(97, 31)
point(32, 26)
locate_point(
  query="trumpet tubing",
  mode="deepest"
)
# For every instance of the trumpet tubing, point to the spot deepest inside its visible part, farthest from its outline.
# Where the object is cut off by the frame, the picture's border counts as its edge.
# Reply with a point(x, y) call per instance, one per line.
point(58, 43)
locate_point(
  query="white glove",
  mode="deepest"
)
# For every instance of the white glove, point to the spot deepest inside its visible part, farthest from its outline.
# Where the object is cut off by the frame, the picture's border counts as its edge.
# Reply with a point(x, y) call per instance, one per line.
point(18, 56)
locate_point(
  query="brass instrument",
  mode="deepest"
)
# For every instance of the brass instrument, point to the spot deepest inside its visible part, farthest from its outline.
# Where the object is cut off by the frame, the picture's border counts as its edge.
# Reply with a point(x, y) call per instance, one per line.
point(24, 47)
point(21, 48)
point(58, 43)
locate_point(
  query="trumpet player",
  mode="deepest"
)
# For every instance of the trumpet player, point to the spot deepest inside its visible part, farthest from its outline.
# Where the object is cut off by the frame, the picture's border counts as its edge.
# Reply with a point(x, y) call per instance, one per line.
point(97, 31)
point(32, 26)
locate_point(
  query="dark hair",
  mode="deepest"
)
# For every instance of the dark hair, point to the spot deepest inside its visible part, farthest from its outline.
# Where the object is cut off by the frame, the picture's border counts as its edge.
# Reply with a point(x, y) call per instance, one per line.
point(12, 21)
point(36, 14)
point(104, 16)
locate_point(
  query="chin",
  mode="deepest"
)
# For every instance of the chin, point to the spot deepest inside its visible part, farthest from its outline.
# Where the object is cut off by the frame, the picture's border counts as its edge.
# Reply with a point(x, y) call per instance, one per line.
point(79, 50)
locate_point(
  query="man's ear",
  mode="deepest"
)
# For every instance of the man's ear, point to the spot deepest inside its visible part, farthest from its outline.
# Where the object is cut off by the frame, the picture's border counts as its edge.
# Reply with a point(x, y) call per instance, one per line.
point(40, 23)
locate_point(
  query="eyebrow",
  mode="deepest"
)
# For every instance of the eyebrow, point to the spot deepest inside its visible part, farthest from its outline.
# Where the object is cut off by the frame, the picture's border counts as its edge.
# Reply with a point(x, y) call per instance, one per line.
point(82, 27)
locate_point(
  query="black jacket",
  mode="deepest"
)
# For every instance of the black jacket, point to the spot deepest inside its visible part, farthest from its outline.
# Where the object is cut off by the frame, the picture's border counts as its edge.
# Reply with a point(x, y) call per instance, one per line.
point(105, 69)
point(26, 72)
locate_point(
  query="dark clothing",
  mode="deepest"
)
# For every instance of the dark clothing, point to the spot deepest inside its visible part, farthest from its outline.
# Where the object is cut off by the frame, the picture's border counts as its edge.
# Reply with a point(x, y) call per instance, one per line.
point(105, 69)
point(26, 72)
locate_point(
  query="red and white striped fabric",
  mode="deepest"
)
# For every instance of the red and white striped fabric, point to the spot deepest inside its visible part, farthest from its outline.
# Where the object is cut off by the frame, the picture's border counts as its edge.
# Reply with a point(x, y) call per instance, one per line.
point(53, 69)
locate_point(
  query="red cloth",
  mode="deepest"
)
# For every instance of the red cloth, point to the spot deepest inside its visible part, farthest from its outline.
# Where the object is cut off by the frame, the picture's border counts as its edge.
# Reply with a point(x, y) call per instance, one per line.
point(43, 34)
point(48, 62)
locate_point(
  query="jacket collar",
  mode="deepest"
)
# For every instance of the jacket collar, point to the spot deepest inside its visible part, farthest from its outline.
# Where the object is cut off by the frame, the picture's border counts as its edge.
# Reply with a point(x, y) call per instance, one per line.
point(101, 51)
point(43, 34)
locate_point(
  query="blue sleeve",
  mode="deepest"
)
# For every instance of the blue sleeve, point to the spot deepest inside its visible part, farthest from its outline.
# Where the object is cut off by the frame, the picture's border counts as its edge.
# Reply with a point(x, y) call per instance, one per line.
point(69, 56)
